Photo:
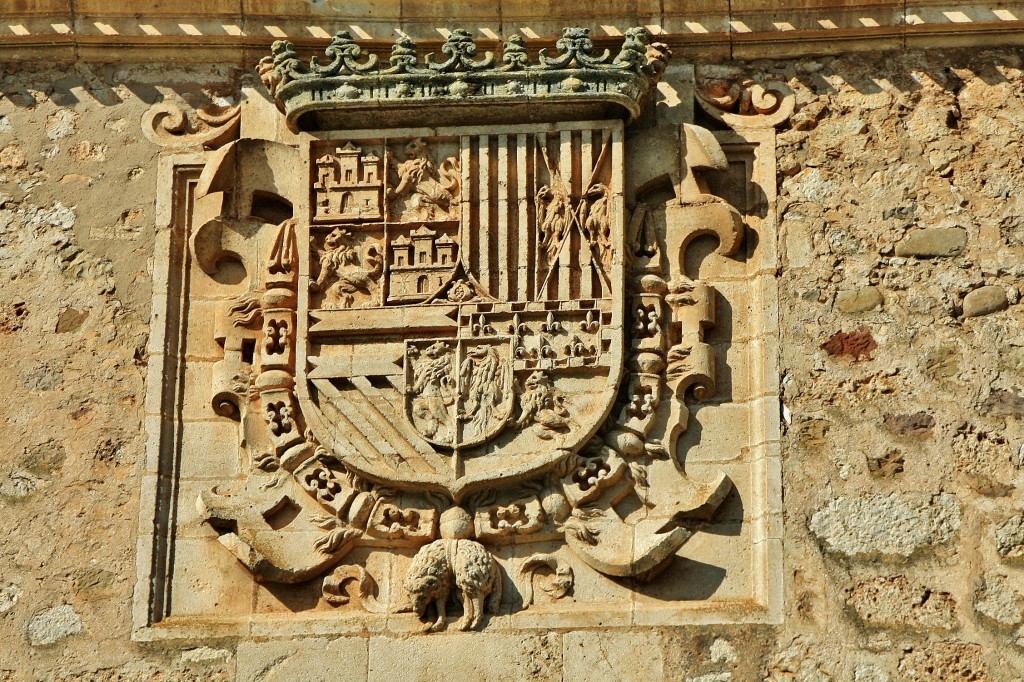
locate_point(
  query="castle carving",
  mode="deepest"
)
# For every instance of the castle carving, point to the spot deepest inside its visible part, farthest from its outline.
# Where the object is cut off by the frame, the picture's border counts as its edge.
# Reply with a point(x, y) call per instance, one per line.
point(349, 185)
point(420, 264)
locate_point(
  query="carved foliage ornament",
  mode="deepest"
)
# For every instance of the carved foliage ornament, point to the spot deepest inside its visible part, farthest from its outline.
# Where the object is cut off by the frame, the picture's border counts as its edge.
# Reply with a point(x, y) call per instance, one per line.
point(458, 345)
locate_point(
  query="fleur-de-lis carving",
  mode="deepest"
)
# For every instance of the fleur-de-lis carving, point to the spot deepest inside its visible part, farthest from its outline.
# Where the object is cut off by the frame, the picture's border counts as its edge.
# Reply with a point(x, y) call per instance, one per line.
point(577, 48)
point(545, 350)
point(517, 327)
point(590, 323)
point(343, 52)
point(481, 327)
point(578, 349)
point(647, 321)
point(551, 325)
point(460, 49)
point(591, 473)
point(322, 482)
point(642, 403)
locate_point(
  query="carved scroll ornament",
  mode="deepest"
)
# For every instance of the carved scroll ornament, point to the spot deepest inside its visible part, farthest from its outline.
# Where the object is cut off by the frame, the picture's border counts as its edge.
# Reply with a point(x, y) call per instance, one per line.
point(747, 103)
point(169, 124)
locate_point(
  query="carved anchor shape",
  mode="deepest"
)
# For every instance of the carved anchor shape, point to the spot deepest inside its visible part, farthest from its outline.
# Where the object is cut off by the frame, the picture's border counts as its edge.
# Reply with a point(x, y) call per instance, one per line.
point(590, 324)
point(275, 339)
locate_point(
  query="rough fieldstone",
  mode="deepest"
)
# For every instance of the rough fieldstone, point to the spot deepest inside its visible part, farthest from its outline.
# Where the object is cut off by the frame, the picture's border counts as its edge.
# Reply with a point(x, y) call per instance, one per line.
point(12, 156)
point(933, 242)
point(942, 362)
point(867, 672)
point(998, 603)
point(1011, 358)
point(835, 132)
point(916, 424)
point(9, 596)
point(985, 300)
point(858, 300)
point(19, 484)
point(857, 344)
point(1010, 539)
point(722, 651)
point(886, 526)
point(1002, 403)
point(53, 625)
point(895, 602)
point(950, 660)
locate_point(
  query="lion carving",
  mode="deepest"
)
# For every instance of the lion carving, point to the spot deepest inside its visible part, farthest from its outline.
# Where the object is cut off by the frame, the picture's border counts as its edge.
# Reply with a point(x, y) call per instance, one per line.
point(474, 572)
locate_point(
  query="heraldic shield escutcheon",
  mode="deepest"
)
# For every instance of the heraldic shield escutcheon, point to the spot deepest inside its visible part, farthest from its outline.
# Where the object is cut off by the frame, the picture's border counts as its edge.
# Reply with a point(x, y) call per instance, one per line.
point(462, 322)
point(450, 349)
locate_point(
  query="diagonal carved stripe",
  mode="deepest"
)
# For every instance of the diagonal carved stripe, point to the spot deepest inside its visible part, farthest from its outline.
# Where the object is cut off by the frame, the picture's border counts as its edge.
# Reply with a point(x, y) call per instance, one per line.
point(387, 404)
point(350, 423)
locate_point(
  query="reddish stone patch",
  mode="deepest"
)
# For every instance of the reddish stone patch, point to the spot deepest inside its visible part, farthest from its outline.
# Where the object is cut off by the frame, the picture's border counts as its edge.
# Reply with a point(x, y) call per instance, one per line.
point(12, 317)
point(858, 344)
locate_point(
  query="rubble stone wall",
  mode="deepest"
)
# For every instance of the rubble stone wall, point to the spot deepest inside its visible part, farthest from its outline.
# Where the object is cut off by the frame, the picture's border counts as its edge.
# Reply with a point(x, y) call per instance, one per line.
point(901, 241)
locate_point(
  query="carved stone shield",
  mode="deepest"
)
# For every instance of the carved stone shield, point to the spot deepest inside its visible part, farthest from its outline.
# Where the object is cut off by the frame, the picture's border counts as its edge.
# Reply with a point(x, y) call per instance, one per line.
point(462, 321)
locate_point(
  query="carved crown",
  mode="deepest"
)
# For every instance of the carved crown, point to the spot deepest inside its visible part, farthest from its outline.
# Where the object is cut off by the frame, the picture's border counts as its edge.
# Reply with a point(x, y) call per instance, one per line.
point(355, 89)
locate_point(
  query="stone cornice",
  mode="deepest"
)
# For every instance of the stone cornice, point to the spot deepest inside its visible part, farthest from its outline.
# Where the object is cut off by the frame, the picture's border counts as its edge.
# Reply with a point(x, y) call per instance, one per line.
point(236, 31)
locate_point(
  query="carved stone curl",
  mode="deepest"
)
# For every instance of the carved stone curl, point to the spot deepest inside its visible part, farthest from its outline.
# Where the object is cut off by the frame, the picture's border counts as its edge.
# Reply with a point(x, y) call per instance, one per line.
point(747, 103)
point(169, 124)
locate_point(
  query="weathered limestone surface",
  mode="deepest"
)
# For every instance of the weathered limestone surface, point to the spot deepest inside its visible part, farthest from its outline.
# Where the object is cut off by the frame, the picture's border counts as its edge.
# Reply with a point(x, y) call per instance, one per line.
point(895, 602)
point(893, 526)
point(880, 149)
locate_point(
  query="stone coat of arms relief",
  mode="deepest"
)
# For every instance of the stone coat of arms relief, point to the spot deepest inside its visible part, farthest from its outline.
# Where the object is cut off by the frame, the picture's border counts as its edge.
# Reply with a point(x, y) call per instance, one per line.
point(460, 362)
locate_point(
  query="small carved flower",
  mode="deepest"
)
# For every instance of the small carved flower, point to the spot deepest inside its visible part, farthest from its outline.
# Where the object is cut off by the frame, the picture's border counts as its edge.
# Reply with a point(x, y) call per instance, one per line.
point(349, 92)
point(460, 292)
point(460, 88)
point(323, 484)
point(573, 84)
point(589, 476)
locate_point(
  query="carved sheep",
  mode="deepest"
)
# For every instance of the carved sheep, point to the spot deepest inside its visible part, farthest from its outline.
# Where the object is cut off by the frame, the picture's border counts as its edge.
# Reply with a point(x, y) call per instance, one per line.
point(474, 571)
